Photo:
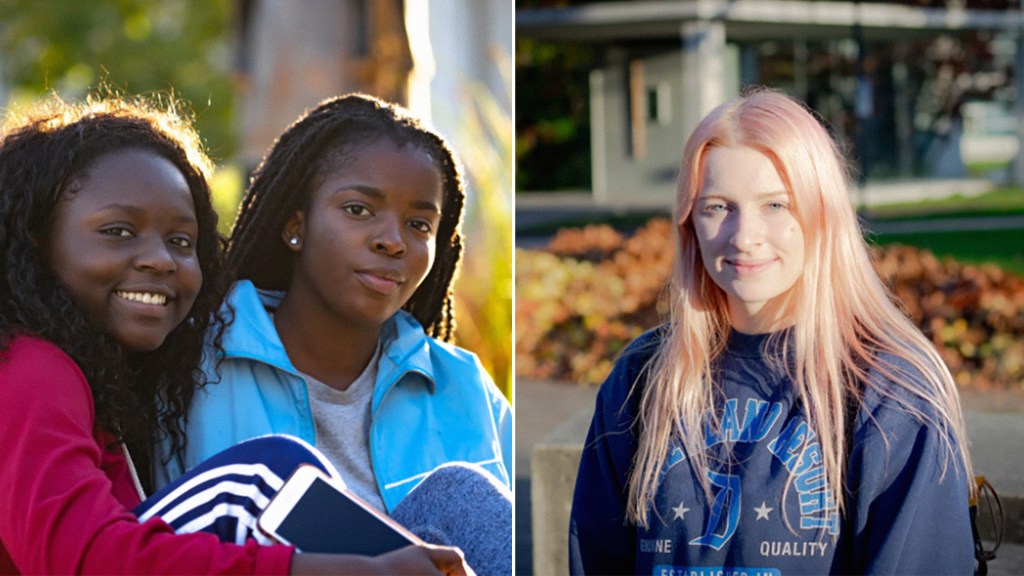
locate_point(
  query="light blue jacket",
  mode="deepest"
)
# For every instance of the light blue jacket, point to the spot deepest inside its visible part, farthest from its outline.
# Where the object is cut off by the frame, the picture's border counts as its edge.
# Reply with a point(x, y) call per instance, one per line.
point(432, 403)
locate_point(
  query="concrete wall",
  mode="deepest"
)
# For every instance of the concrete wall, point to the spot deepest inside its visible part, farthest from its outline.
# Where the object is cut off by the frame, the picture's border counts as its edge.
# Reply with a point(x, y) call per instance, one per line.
point(427, 57)
point(459, 46)
point(297, 58)
point(638, 164)
point(554, 464)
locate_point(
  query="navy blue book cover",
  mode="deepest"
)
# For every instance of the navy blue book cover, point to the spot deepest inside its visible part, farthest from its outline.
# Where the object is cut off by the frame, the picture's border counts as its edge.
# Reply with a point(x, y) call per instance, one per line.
point(326, 520)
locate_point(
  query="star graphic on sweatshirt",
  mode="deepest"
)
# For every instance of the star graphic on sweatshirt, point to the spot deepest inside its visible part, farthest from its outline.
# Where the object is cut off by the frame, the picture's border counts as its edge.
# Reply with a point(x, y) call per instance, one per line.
point(763, 511)
point(681, 511)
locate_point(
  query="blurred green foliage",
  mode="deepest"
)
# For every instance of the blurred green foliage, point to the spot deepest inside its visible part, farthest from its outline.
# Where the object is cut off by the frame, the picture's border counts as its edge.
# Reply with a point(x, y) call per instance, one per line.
point(552, 116)
point(484, 290)
point(134, 46)
point(226, 187)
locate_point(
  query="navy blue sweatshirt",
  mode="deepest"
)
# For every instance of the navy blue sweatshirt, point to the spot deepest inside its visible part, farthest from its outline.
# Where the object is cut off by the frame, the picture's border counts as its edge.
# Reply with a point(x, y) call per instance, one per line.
point(770, 511)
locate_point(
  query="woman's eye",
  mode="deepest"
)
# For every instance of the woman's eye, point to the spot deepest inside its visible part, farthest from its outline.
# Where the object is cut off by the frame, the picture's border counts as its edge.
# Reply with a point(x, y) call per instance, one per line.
point(714, 207)
point(422, 226)
point(182, 241)
point(117, 231)
point(778, 206)
point(357, 210)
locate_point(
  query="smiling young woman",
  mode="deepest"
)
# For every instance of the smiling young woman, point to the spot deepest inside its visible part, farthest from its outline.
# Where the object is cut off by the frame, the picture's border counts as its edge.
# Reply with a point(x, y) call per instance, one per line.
point(124, 246)
point(110, 255)
point(750, 242)
point(788, 418)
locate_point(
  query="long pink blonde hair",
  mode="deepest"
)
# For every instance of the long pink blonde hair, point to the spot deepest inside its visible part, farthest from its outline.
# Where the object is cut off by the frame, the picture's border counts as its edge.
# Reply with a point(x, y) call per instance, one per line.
point(845, 322)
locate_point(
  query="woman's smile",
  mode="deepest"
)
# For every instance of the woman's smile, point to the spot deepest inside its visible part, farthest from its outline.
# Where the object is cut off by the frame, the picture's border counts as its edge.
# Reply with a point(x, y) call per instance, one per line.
point(750, 267)
point(143, 297)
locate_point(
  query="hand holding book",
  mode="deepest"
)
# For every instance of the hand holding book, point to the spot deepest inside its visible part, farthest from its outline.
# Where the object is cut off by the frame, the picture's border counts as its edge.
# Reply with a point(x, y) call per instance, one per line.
point(322, 518)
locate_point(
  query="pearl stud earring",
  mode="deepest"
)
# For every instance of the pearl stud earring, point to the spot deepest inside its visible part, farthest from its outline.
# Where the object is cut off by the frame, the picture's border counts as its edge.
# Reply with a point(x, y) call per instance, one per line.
point(293, 241)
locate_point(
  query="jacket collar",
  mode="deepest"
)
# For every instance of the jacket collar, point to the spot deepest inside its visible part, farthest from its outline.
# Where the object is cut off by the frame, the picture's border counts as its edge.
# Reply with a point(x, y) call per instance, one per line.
point(406, 350)
point(252, 335)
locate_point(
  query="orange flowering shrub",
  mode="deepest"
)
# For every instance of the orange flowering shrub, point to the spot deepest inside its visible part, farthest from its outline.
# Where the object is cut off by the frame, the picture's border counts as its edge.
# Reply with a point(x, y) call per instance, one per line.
point(584, 298)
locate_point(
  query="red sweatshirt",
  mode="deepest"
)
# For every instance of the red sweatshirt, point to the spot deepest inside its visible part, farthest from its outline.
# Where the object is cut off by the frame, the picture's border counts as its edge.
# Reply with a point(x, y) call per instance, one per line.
point(65, 499)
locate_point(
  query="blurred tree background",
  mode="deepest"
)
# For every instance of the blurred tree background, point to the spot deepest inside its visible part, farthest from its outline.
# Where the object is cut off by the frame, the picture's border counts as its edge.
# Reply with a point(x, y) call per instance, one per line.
point(553, 129)
point(232, 64)
point(137, 46)
point(552, 110)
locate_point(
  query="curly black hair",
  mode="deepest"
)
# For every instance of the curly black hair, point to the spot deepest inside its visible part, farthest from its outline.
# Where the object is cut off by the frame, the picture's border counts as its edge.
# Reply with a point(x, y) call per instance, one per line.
point(320, 141)
point(141, 397)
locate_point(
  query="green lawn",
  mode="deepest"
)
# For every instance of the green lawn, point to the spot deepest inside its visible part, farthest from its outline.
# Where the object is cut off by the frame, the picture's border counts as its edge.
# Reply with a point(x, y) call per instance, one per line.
point(1003, 247)
point(620, 222)
point(1001, 202)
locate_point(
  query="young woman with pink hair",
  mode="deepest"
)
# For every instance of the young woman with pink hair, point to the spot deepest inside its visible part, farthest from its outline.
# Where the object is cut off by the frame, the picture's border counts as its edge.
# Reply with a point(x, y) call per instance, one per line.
point(789, 418)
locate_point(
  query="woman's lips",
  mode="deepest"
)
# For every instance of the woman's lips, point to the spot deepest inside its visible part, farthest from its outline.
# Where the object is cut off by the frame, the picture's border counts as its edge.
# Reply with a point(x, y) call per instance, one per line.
point(383, 284)
point(749, 267)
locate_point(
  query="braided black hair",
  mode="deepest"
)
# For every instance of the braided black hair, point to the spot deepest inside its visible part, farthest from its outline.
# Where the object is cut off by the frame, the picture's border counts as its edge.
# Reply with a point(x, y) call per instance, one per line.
point(140, 397)
point(318, 142)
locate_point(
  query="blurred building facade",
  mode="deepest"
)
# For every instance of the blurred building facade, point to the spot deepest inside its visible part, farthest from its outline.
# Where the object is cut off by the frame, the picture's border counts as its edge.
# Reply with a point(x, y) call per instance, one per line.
point(420, 53)
point(898, 83)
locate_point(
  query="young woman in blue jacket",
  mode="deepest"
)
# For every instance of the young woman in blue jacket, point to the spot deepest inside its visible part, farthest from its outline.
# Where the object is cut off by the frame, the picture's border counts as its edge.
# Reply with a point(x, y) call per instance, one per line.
point(344, 252)
point(789, 418)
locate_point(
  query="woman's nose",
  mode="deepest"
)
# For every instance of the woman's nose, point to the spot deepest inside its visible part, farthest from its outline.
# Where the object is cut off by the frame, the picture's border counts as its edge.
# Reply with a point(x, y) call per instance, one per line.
point(747, 231)
point(155, 255)
point(388, 239)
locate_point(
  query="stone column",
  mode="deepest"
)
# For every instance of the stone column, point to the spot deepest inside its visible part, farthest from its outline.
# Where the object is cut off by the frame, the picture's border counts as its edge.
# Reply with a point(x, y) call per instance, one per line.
point(298, 53)
point(1018, 103)
point(903, 93)
point(704, 70)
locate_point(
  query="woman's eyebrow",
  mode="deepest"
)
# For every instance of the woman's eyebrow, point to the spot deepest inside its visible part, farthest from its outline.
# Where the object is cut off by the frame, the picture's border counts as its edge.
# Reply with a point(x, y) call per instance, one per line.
point(137, 210)
point(758, 196)
point(372, 192)
point(711, 196)
point(426, 205)
point(378, 194)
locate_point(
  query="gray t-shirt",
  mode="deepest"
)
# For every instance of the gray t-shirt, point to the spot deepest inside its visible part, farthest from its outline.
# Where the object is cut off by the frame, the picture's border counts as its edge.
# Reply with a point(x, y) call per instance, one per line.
point(342, 419)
